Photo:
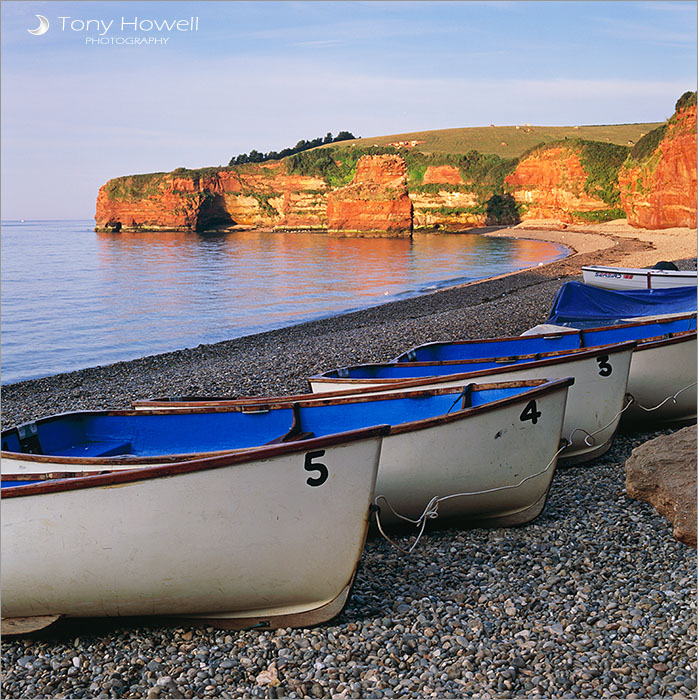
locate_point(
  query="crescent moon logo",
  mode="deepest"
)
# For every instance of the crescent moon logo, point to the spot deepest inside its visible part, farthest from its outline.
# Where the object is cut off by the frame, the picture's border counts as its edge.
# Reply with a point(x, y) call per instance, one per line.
point(42, 28)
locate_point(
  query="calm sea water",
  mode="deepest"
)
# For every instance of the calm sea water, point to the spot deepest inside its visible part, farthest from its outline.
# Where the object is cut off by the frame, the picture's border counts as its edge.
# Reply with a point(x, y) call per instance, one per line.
point(73, 298)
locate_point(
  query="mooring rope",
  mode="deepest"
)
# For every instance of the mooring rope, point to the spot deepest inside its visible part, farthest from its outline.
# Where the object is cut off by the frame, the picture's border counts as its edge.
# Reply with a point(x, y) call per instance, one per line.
point(589, 439)
point(668, 398)
point(431, 511)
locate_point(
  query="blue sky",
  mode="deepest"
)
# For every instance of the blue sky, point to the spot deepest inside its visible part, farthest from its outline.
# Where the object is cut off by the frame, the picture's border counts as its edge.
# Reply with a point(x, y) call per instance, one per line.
point(266, 74)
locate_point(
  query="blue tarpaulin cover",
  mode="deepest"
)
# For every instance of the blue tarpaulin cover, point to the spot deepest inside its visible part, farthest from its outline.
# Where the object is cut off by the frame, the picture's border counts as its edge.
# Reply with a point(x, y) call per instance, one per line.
point(584, 306)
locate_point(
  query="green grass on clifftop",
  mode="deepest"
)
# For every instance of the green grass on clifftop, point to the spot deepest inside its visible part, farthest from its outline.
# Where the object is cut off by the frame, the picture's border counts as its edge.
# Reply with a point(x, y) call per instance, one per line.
point(508, 141)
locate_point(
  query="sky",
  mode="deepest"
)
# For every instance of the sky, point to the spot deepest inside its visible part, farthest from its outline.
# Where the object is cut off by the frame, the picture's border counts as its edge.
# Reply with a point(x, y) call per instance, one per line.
point(84, 102)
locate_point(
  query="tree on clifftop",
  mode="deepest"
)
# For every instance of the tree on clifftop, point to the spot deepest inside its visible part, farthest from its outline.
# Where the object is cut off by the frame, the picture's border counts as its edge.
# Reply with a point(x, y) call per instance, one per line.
point(303, 145)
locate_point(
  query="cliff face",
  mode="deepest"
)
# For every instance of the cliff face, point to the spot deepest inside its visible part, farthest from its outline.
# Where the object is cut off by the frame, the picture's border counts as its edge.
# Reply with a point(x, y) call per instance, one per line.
point(570, 180)
point(442, 174)
point(550, 184)
point(262, 196)
point(376, 202)
point(659, 190)
point(162, 201)
point(446, 210)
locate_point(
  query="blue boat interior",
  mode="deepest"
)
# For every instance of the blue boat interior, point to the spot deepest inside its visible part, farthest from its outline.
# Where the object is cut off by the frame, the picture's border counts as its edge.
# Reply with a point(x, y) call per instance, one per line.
point(659, 329)
point(142, 434)
point(403, 370)
point(511, 347)
point(323, 420)
point(524, 345)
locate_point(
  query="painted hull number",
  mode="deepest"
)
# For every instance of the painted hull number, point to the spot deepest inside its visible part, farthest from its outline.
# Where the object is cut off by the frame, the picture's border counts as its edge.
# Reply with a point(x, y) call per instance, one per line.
point(311, 466)
point(531, 412)
point(605, 368)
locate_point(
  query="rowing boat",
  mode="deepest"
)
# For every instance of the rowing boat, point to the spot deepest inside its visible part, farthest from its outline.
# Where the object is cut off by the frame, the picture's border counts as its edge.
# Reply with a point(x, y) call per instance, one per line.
point(593, 410)
point(501, 438)
point(625, 278)
point(579, 305)
point(266, 539)
point(596, 399)
point(662, 374)
point(557, 339)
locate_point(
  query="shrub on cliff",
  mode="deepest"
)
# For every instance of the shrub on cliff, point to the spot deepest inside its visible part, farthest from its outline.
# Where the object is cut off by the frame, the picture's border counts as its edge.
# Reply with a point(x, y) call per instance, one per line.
point(487, 172)
point(482, 173)
point(647, 145)
point(688, 99)
point(502, 209)
point(334, 165)
point(133, 187)
point(601, 162)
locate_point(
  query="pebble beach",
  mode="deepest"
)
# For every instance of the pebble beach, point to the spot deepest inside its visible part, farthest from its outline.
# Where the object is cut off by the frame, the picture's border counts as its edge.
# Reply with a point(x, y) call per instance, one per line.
point(595, 598)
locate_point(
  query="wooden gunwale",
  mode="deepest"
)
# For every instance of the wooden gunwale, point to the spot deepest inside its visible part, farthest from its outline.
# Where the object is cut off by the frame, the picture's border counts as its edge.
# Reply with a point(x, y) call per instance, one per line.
point(504, 360)
point(281, 402)
point(669, 339)
point(191, 466)
point(538, 387)
point(556, 334)
point(135, 460)
point(555, 358)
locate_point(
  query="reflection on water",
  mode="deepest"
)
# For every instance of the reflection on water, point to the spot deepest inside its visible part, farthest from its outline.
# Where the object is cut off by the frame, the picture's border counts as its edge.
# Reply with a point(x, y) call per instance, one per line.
point(72, 298)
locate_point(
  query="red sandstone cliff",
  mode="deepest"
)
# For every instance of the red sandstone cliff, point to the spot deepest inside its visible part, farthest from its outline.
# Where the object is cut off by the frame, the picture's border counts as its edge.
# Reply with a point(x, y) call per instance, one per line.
point(565, 181)
point(660, 190)
point(262, 195)
point(376, 201)
point(550, 184)
point(442, 174)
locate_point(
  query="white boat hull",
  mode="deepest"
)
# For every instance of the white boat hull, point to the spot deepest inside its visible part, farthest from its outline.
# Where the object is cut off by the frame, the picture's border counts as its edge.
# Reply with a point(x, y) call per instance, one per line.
point(659, 371)
point(504, 460)
point(594, 403)
point(249, 542)
point(629, 278)
point(493, 444)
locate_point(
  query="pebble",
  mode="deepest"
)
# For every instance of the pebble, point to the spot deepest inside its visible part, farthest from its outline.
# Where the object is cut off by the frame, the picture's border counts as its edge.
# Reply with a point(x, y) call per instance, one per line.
point(595, 598)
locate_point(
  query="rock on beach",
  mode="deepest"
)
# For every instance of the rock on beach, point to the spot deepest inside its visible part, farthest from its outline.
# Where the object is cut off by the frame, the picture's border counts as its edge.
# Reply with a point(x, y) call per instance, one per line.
point(663, 473)
point(594, 598)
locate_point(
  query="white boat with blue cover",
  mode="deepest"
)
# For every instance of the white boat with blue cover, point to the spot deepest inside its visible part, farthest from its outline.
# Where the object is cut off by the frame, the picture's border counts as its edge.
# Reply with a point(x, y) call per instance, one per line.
point(595, 401)
point(266, 539)
point(498, 438)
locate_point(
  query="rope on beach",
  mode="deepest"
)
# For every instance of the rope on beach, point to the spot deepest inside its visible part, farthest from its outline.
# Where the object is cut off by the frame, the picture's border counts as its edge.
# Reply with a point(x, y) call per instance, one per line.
point(432, 508)
point(668, 398)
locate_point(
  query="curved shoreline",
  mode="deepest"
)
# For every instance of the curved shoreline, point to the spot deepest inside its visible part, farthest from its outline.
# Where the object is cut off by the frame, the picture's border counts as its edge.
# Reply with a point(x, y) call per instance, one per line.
point(551, 609)
point(278, 361)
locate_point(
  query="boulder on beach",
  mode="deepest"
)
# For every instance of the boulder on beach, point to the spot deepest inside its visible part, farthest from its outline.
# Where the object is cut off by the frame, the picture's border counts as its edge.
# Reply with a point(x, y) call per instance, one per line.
point(662, 472)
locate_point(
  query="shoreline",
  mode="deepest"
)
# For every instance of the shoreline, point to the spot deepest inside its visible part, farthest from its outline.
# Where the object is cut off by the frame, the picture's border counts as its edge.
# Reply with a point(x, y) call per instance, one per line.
point(277, 361)
point(551, 609)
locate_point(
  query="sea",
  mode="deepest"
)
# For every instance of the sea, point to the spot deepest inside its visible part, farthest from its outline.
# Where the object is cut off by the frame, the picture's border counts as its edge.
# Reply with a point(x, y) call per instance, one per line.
point(73, 298)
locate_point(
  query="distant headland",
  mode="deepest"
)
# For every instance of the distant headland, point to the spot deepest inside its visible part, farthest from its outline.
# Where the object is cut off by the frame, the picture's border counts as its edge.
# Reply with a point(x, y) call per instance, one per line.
point(448, 180)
